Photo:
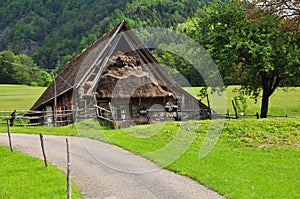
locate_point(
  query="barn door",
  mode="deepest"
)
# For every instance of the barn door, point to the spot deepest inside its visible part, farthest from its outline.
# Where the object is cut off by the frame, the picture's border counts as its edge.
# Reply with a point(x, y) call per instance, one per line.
point(121, 113)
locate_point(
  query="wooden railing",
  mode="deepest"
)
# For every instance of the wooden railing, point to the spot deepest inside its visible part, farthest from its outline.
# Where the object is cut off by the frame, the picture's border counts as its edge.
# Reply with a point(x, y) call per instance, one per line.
point(47, 118)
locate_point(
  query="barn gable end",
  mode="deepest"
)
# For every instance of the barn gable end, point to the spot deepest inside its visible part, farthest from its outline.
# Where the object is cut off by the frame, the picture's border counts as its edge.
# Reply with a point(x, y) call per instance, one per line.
point(118, 76)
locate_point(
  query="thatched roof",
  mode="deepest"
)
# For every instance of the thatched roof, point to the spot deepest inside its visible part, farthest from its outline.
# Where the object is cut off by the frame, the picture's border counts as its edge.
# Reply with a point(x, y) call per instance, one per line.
point(95, 70)
point(125, 77)
point(65, 81)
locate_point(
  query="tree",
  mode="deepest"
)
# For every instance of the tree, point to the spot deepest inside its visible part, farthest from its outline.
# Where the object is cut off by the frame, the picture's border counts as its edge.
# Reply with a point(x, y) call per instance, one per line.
point(178, 66)
point(257, 51)
point(6, 68)
point(21, 69)
point(283, 8)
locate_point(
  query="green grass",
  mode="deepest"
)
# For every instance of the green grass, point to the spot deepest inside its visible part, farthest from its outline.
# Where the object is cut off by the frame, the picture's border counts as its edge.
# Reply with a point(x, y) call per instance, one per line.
point(23, 176)
point(69, 130)
point(18, 97)
point(252, 159)
point(282, 102)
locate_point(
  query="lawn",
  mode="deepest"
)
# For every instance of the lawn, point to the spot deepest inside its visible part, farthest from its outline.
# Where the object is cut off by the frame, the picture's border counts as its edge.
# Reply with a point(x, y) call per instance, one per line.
point(18, 97)
point(69, 130)
point(23, 176)
point(283, 102)
point(21, 97)
point(252, 158)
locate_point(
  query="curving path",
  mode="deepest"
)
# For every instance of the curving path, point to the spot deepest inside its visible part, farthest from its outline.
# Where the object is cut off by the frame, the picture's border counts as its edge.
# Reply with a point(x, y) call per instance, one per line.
point(102, 170)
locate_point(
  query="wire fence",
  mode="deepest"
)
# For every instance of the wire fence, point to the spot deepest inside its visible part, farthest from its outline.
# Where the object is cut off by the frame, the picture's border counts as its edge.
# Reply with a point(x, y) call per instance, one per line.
point(65, 117)
point(234, 116)
point(46, 118)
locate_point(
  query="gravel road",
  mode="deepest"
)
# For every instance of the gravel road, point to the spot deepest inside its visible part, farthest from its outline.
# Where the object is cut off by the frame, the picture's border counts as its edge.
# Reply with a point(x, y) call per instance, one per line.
point(102, 170)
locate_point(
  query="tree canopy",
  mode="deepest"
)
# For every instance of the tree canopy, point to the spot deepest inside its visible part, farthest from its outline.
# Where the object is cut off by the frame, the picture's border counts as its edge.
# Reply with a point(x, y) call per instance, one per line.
point(259, 51)
point(21, 69)
point(54, 31)
point(284, 8)
point(255, 43)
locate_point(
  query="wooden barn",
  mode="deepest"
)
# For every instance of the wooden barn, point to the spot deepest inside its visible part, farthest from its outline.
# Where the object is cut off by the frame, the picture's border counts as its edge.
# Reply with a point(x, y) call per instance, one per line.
point(119, 81)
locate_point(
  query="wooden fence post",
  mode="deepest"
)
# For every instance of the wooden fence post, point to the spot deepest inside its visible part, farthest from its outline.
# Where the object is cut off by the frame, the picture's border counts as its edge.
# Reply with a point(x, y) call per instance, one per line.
point(44, 117)
point(235, 110)
point(9, 137)
point(208, 104)
point(69, 188)
point(43, 149)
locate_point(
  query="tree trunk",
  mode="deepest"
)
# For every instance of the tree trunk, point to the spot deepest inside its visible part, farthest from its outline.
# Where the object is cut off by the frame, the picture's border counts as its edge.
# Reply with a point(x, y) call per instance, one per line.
point(264, 105)
point(265, 97)
point(269, 85)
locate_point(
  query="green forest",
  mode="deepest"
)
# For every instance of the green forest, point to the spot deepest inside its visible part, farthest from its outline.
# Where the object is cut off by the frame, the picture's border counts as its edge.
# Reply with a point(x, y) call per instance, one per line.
point(53, 31)
point(254, 43)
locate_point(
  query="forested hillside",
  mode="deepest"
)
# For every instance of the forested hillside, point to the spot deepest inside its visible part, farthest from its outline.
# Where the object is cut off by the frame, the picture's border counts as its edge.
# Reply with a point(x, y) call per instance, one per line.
point(53, 31)
point(255, 43)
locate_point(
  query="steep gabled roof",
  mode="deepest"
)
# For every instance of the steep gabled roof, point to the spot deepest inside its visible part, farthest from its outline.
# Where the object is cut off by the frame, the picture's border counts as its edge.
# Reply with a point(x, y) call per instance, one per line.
point(92, 59)
point(65, 80)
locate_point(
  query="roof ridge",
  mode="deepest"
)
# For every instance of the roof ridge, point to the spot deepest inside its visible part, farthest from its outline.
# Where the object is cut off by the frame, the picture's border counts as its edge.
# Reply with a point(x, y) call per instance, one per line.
point(87, 60)
point(74, 61)
point(101, 39)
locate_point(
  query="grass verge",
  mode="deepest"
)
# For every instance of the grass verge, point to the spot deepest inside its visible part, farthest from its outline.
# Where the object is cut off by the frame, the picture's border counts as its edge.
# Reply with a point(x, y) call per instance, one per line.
point(252, 158)
point(23, 176)
point(69, 130)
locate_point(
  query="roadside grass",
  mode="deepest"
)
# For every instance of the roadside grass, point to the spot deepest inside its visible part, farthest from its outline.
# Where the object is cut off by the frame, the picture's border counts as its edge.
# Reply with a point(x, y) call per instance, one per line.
point(18, 97)
point(252, 158)
point(22, 176)
point(69, 130)
point(284, 101)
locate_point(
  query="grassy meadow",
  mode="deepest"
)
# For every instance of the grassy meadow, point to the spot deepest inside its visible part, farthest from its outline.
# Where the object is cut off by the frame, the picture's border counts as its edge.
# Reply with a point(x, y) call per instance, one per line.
point(284, 101)
point(251, 159)
point(23, 176)
point(18, 97)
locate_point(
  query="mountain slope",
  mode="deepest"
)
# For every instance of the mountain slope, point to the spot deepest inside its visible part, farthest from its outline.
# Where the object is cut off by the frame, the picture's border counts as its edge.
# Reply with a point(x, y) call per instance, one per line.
point(53, 31)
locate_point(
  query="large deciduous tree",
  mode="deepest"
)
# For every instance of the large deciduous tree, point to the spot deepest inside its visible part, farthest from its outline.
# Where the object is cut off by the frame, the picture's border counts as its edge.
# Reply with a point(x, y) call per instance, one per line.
point(251, 47)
